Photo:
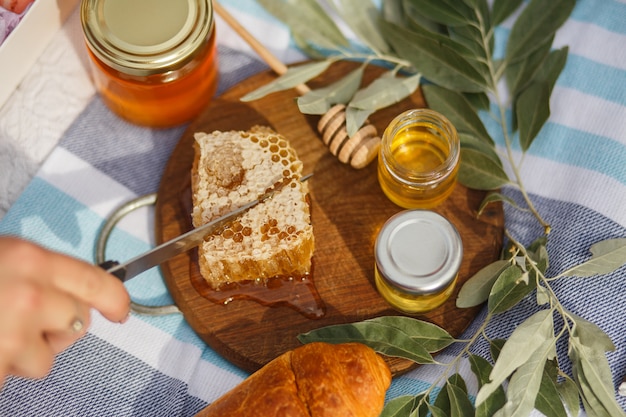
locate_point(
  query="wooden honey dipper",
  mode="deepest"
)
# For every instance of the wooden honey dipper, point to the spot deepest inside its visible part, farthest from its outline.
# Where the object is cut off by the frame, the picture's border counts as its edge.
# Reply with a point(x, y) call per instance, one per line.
point(358, 150)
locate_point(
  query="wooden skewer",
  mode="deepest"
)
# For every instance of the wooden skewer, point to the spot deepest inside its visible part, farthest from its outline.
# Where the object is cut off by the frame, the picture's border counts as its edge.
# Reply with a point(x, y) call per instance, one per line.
point(358, 150)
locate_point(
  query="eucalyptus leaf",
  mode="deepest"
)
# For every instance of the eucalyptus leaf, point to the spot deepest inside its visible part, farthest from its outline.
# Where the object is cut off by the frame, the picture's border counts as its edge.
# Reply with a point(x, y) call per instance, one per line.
point(532, 109)
point(383, 339)
point(538, 22)
point(445, 12)
point(294, 76)
point(415, 19)
point(400, 406)
point(482, 368)
point(432, 337)
point(494, 197)
point(594, 368)
point(355, 119)
point(548, 399)
point(470, 141)
point(442, 402)
point(508, 290)
point(502, 9)
point(436, 411)
point(384, 91)
point(460, 404)
point(308, 20)
point(607, 256)
point(319, 101)
point(476, 290)
point(362, 17)
point(437, 62)
point(495, 347)
point(480, 172)
point(543, 295)
point(479, 101)
point(520, 73)
point(524, 384)
point(551, 68)
point(590, 335)
point(523, 343)
point(569, 393)
point(309, 49)
point(457, 109)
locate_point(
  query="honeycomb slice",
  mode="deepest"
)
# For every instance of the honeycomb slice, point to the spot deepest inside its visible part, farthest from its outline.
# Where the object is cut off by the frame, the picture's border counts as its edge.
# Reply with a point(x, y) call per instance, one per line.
point(274, 238)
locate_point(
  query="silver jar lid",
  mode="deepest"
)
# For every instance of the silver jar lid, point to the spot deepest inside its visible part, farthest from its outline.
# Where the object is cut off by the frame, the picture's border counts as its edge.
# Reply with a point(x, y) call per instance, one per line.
point(418, 251)
point(144, 37)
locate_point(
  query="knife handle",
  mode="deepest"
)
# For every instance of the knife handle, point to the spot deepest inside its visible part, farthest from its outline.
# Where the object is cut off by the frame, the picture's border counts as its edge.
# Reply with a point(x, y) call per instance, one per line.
point(107, 265)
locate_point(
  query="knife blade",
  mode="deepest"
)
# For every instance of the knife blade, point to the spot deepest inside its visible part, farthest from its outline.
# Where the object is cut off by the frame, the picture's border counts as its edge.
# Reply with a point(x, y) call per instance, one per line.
point(167, 250)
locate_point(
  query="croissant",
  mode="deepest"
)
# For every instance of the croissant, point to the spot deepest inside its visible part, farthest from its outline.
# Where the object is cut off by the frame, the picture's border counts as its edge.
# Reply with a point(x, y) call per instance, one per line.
point(313, 380)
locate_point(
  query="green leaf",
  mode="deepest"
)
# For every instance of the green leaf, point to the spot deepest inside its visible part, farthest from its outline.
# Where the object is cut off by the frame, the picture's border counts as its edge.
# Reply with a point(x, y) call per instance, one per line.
point(525, 340)
point(591, 335)
point(537, 23)
point(607, 256)
point(495, 347)
point(503, 9)
point(362, 17)
point(494, 197)
point(594, 376)
point(294, 76)
point(457, 109)
point(532, 110)
point(432, 337)
point(548, 399)
point(308, 20)
point(509, 289)
point(460, 404)
point(497, 399)
point(480, 172)
point(524, 384)
point(319, 101)
point(477, 289)
point(470, 141)
point(519, 74)
point(479, 101)
point(400, 406)
point(437, 62)
point(550, 70)
point(569, 393)
point(387, 340)
point(384, 91)
point(446, 12)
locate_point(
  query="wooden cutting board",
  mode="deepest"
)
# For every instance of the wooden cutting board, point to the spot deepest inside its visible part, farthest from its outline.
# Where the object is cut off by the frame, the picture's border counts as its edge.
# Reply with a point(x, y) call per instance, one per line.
point(348, 209)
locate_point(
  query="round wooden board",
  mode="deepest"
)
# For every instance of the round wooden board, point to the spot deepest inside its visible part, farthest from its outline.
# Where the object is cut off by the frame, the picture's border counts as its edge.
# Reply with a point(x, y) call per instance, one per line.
point(348, 209)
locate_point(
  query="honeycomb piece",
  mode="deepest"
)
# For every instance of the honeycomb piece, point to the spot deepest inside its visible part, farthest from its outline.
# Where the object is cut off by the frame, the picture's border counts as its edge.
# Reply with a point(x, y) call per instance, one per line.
point(274, 238)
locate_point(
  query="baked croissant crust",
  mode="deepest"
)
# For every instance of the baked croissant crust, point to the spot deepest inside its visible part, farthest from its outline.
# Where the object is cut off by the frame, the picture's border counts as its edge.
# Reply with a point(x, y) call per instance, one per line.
point(313, 380)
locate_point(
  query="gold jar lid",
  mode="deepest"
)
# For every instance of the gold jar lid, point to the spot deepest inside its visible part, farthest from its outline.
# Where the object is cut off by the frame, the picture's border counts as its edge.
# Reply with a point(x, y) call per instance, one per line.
point(418, 251)
point(144, 37)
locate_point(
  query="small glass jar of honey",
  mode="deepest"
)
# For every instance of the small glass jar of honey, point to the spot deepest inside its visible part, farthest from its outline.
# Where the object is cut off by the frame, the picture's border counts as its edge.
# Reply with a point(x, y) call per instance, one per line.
point(418, 159)
point(418, 255)
point(154, 62)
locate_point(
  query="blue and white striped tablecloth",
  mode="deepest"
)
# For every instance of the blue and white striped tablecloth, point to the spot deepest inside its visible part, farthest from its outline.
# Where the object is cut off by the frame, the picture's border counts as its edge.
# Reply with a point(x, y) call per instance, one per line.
point(575, 170)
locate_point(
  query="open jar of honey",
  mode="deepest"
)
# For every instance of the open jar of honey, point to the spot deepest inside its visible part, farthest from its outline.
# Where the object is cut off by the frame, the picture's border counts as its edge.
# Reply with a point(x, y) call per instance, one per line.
point(154, 62)
point(418, 159)
point(418, 254)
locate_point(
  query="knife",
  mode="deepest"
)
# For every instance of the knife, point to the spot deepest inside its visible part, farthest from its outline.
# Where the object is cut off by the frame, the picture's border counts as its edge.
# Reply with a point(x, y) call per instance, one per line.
point(161, 253)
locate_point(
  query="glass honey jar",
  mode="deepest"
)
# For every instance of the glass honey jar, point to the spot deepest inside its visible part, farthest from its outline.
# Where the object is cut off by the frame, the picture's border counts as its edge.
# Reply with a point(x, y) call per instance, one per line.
point(418, 159)
point(154, 62)
point(418, 254)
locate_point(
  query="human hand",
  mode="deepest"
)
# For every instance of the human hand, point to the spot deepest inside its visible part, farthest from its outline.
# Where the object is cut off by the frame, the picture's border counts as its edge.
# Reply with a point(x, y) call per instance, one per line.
point(45, 302)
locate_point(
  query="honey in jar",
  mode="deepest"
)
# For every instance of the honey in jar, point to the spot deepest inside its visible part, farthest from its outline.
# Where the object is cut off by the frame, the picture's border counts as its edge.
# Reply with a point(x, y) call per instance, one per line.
point(418, 254)
point(154, 62)
point(419, 159)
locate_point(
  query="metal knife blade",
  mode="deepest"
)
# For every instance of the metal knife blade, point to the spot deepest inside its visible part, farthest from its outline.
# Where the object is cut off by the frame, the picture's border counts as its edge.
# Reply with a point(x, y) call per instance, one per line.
point(133, 267)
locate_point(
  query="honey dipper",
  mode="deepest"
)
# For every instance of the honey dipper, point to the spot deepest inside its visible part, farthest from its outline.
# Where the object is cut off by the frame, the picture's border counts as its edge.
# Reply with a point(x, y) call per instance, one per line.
point(358, 150)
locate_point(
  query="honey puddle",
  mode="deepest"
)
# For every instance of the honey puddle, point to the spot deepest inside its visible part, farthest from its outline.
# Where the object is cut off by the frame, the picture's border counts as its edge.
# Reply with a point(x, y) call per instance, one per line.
point(297, 293)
